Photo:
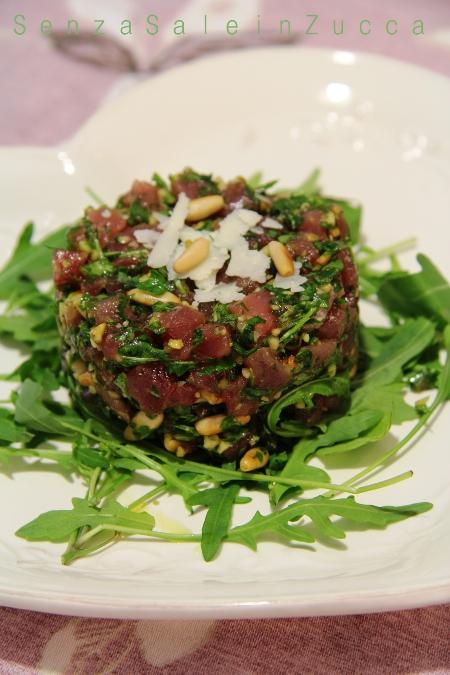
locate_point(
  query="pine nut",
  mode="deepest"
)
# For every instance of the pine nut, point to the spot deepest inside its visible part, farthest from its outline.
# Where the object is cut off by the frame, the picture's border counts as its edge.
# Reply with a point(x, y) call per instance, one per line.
point(97, 333)
point(78, 367)
point(281, 258)
point(74, 299)
point(353, 371)
point(329, 218)
point(85, 379)
point(143, 420)
point(310, 236)
point(210, 426)
point(323, 259)
point(211, 442)
point(193, 256)
point(128, 434)
point(255, 458)
point(144, 298)
point(274, 343)
point(175, 344)
point(210, 397)
point(203, 207)
point(223, 445)
point(243, 419)
point(170, 443)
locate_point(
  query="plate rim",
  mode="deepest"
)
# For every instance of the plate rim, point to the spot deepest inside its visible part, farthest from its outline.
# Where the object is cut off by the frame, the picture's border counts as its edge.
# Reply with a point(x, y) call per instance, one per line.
point(365, 601)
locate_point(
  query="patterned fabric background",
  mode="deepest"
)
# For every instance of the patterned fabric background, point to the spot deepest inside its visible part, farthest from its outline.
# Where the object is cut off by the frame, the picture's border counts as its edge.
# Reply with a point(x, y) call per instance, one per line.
point(48, 90)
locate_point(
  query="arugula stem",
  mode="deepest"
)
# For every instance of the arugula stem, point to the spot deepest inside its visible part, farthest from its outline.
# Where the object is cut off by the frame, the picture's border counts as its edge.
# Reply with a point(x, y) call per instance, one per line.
point(209, 470)
point(168, 536)
point(386, 483)
point(387, 251)
point(53, 455)
point(139, 503)
point(93, 195)
point(395, 449)
point(75, 536)
point(93, 484)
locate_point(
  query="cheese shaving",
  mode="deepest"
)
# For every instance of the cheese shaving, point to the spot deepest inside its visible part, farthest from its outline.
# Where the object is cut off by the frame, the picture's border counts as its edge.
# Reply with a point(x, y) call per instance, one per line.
point(271, 223)
point(167, 242)
point(293, 283)
point(247, 263)
point(222, 292)
point(147, 237)
point(234, 226)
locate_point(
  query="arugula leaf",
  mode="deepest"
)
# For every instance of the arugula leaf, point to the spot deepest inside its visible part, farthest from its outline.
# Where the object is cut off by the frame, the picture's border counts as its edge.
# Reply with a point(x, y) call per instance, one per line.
point(304, 394)
point(319, 510)
point(215, 526)
point(388, 398)
point(411, 339)
point(370, 435)
point(444, 379)
point(31, 260)
point(32, 411)
point(311, 183)
point(426, 293)
point(10, 431)
point(84, 454)
point(353, 216)
point(344, 433)
point(57, 526)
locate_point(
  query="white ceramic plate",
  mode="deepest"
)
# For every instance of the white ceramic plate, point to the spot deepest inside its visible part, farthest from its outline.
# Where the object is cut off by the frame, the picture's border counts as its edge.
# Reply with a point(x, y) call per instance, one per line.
point(379, 129)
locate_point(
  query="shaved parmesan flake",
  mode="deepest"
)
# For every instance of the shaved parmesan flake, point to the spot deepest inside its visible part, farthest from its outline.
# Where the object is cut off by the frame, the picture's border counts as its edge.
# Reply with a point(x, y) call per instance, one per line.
point(167, 242)
point(147, 237)
point(247, 263)
point(162, 219)
point(249, 217)
point(293, 283)
point(190, 234)
point(271, 223)
point(234, 226)
point(222, 292)
point(208, 283)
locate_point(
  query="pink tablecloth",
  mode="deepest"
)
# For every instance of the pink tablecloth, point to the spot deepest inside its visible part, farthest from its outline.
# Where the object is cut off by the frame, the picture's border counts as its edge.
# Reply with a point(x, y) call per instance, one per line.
point(45, 97)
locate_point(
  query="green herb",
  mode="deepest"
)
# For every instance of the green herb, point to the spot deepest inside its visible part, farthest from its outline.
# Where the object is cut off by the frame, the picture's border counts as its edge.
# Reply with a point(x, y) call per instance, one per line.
point(319, 510)
point(99, 268)
point(304, 395)
point(57, 526)
point(159, 181)
point(138, 213)
point(426, 293)
point(156, 283)
point(311, 183)
point(216, 524)
point(30, 260)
